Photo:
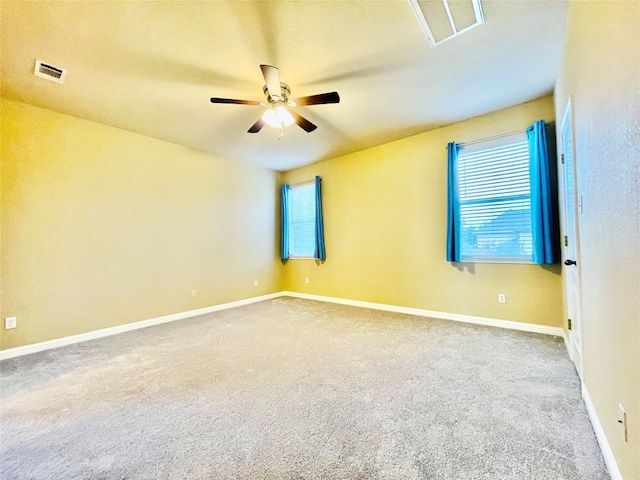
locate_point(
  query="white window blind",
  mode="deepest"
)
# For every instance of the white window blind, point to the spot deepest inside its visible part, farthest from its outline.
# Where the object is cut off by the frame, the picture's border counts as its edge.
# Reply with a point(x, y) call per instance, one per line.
point(302, 220)
point(495, 199)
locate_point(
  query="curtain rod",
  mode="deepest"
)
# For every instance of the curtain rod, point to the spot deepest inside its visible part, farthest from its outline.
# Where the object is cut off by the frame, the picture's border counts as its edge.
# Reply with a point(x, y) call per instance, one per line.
point(500, 136)
point(493, 138)
point(302, 183)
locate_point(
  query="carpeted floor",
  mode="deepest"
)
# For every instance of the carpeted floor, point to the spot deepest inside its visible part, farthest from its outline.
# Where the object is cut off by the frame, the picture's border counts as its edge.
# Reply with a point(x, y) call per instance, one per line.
point(296, 389)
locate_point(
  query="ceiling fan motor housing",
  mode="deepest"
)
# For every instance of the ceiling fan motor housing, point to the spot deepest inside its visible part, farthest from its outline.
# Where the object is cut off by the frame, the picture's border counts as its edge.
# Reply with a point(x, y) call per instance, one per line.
point(285, 91)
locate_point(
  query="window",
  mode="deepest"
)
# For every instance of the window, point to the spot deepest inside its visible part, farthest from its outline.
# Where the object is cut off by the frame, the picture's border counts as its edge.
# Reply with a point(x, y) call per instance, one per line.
point(494, 200)
point(302, 220)
point(302, 225)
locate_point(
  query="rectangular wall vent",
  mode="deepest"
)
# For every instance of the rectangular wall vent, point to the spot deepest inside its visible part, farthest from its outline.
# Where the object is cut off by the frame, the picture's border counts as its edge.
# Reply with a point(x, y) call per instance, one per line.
point(44, 70)
point(442, 20)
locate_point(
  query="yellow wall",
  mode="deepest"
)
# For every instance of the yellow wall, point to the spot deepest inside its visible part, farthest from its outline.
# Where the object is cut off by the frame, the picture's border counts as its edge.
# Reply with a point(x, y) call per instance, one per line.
point(385, 231)
point(102, 227)
point(601, 72)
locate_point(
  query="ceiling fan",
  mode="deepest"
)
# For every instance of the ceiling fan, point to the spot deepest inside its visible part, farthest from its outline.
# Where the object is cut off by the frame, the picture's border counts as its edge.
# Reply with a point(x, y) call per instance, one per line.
point(278, 115)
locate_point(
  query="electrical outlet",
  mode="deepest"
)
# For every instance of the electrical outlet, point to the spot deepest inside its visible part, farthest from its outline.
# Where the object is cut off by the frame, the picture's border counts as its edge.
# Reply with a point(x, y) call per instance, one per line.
point(10, 322)
point(255, 283)
point(622, 420)
point(194, 293)
point(306, 280)
point(502, 298)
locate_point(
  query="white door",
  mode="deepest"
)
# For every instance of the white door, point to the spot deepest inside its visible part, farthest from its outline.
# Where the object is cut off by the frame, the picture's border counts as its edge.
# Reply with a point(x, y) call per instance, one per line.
point(571, 205)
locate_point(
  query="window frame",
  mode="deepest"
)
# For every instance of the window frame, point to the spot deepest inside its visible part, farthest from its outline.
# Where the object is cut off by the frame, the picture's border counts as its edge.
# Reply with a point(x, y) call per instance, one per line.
point(310, 184)
point(475, 148)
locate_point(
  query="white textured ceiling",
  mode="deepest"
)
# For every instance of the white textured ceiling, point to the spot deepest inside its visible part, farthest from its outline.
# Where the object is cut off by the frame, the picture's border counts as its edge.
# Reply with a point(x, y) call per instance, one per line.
point(151, 66)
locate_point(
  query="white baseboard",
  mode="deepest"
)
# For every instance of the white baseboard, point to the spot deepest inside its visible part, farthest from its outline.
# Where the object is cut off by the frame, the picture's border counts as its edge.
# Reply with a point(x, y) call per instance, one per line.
point(106, 332)
point(457, 317)
point(609, 459)
point(566, 342)
point(605, 448)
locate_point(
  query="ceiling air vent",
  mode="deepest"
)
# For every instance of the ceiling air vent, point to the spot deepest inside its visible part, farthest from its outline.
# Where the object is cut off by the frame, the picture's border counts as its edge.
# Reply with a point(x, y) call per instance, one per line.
point(444, 19)
point(44, 70)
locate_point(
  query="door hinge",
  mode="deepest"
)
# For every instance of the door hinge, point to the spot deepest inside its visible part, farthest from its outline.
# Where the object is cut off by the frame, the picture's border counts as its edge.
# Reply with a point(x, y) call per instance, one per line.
point(566, 241)
point(562, 157)
point(569, 323)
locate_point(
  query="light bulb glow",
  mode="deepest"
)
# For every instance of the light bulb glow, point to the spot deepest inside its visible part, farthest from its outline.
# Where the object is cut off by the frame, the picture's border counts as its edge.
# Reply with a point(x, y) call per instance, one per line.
point(284, 116)
point(270, 118)
point(278, 117)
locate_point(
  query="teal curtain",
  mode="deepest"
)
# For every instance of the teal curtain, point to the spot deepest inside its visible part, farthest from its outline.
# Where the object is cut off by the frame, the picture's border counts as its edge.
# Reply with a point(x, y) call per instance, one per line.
point(284, 230)
point(543, 195)
point(453, 218)
point(320, 253)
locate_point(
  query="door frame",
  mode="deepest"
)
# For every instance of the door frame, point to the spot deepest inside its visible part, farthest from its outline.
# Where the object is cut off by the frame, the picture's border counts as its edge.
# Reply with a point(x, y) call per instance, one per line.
point(575, 347)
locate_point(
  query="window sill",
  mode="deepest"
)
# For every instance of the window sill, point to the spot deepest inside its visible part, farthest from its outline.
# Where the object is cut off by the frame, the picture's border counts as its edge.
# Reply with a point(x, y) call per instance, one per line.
point(516, 261)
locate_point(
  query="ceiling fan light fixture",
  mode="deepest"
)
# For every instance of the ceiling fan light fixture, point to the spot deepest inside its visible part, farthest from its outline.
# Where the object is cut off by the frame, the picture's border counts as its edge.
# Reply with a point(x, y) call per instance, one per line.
point(284, 116)
point(270, 118)
point(278, 117)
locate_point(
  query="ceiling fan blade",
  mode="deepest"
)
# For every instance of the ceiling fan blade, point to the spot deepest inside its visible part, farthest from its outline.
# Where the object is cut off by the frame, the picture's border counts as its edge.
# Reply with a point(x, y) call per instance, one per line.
point(331, 97)
point(272, 79)
point(233, 101)
point(256, 127)
point(305, 124)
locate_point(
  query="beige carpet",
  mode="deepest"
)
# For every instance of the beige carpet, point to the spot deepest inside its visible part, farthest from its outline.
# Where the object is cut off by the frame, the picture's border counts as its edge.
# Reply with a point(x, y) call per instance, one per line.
point(291, 389)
